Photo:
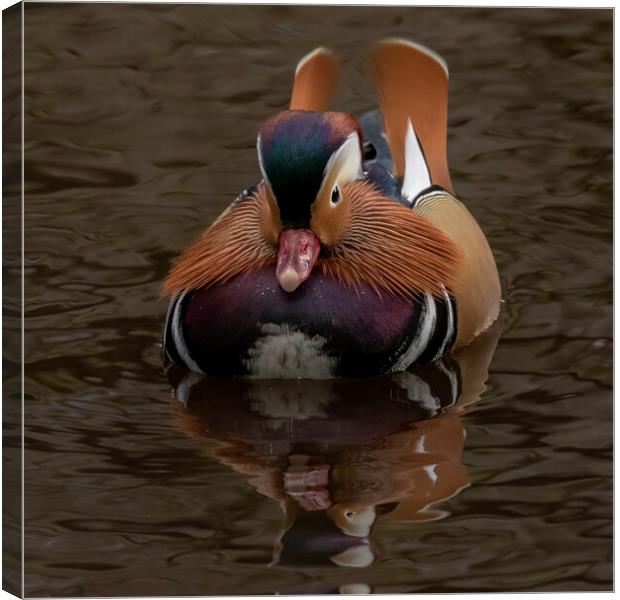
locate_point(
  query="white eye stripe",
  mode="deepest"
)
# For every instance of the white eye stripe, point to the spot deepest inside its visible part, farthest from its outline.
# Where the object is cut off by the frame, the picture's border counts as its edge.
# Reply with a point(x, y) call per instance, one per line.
point(345, 164)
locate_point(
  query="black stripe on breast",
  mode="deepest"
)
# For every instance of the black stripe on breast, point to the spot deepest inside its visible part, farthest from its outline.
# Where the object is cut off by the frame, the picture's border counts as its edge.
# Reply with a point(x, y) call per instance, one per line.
point(442, 336)
point(451, 327)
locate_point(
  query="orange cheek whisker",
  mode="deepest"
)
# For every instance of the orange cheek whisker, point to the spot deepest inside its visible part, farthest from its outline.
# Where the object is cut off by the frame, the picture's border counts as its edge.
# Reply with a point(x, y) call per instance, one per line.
point(233, 245)
point(384, 245)
point(391, 248)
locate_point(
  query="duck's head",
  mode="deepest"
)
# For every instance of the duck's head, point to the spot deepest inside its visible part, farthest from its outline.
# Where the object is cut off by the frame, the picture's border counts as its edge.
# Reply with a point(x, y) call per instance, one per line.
point(308, 162)
point(315, 210)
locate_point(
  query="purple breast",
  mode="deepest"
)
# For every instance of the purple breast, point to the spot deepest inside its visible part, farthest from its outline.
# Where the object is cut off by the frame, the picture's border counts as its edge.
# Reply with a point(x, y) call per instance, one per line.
point(363, 332)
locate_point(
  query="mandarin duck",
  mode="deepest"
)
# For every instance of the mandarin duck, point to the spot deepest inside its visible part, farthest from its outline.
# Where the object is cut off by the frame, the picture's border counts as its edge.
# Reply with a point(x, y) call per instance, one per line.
point(351, 257)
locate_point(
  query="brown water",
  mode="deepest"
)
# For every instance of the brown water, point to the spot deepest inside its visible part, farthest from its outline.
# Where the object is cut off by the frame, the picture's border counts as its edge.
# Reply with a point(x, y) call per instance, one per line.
point(140, 128)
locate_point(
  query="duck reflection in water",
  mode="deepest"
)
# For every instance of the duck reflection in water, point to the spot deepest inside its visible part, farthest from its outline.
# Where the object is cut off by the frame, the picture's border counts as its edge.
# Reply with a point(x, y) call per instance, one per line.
point(338, 455)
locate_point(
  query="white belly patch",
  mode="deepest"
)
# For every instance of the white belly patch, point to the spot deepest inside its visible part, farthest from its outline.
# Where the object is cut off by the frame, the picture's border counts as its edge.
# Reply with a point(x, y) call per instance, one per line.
point(283, 352)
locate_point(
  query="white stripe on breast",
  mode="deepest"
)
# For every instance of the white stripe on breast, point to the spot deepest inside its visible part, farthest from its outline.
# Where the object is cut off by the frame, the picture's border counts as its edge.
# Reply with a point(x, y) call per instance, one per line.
point(171, 305)
point(177, 337)
point(449, 326)
point(422, 337)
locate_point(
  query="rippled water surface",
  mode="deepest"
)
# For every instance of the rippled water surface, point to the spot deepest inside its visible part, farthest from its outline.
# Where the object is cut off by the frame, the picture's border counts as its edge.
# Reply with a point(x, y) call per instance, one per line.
point(140, 128)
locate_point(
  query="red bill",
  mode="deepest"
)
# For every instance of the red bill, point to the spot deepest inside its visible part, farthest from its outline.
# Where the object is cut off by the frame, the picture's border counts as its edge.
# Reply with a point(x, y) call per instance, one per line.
point(297, 255)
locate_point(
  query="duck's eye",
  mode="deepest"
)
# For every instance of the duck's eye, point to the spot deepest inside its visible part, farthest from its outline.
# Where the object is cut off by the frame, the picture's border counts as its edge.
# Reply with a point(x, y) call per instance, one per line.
point(335, 195)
